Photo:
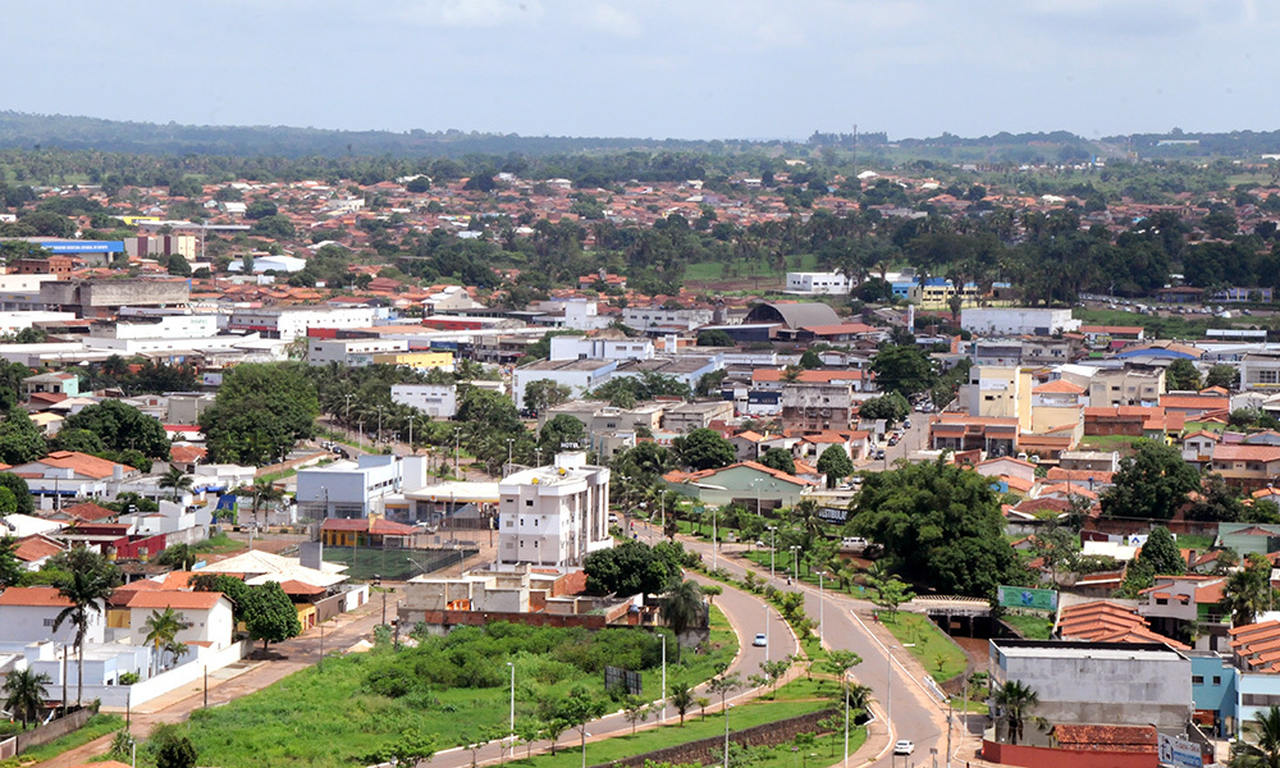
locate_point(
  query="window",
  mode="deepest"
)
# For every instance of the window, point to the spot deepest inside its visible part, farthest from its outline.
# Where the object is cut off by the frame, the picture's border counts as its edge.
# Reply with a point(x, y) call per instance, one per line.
point(509, 524)
point(528, 502)
point(1217, 680)
point(1197, 679)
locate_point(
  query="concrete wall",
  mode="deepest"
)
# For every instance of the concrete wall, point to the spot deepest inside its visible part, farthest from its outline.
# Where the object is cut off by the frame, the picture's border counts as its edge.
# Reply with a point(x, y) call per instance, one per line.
point(1076, 689)
point(1048, 757)
point(120, 696)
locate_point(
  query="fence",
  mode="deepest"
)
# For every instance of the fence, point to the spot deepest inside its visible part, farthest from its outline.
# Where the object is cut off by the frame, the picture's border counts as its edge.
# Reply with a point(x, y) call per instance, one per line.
point(394, 564)
point(122, 696)
point(709, 750)
point(45, 733)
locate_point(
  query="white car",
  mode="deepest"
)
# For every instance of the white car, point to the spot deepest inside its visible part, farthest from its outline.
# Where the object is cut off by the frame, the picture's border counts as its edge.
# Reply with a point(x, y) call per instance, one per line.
point(760, 640)
point(904, 747)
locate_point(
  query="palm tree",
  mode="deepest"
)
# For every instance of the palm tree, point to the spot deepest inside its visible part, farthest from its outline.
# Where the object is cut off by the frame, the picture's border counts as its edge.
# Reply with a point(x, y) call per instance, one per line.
point(90, 579)
point(162, 628)
point(859, 696)
point(264, 493)
point(1015, 700)
point(177, 480)
point(804, 515)
point(25, 691)
point(683, 608)
point(1261, 746)
point(681, 697)
point(175, 648)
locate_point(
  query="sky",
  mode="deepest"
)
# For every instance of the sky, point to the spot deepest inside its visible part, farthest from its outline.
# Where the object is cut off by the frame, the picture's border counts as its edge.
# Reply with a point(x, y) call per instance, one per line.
point(699, 69)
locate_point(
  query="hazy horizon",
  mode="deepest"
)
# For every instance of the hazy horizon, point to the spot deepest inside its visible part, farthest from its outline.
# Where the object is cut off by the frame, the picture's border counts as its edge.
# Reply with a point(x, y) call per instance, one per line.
point(707, 70)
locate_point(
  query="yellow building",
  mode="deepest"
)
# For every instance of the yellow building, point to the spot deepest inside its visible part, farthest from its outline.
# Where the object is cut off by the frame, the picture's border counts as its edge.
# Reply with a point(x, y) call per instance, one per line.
point(936, 294)
point(420, 360)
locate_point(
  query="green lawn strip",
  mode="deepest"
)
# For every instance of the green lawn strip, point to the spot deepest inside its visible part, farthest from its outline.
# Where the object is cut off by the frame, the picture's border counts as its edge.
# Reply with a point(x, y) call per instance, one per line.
point(272, 477)
point(1029, 625)
point(750, 714)
point(959, 704)
point(218, 544)
point(1196, 541)
point(761, 558)
point(927, 643)
point(95, 727)
point(824, 751)
point(277, 725)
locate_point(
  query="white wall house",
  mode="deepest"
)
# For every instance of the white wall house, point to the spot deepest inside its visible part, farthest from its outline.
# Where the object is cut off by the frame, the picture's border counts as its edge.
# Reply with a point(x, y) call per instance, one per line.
point(437, 400)
point(554, 515)
point(27, 615)
point(818, 283)
point(648, 318)
point(578, 375)
point(207, 615)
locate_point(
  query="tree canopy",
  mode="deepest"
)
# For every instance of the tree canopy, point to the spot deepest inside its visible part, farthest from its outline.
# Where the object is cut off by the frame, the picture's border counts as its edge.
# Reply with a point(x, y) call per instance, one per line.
point(1152, 483)
point(633, 567)
point(703, 449)
point(940, 524)
point(262, 409)
point(903, 369)
point(121, 427)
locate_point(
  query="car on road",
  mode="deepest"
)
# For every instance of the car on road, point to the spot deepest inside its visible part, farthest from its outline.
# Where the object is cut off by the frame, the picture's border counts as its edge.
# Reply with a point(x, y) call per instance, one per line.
point(904, 747)
point(879, 453)
point(907, 424)
point(760, 640)
point(613, 518)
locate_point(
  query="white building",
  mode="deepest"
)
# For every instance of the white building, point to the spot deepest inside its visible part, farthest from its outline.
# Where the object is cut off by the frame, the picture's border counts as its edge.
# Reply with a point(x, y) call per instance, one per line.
point(554, 515)
point(165, 327)
point(351, 352)
point(63, 476)
point(206, 616)
point(818, 283)
point(578, 375)
point(288, 323)
point(354, 489)
point(27, 615)
point(583, 348)
point(1017, 321)
point(437, 400)
point(270, 263)
point(649, 318)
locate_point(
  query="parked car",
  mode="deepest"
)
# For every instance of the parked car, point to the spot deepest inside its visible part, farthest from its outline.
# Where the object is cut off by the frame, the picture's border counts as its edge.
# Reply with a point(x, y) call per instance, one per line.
point(760, 640)
point(904, 747)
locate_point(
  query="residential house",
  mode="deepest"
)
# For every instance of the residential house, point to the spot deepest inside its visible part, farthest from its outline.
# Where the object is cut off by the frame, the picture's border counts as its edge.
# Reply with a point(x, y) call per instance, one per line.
point(57, 383)
point(746, 482)
point(1105, 621)
point(1188, 606)
point(27, 615)
point(1125, 386)
point(66, 475)
point(962, 432)
point(206, 616)
point(1194, 405)
point(373, 531)
point(1249, 467)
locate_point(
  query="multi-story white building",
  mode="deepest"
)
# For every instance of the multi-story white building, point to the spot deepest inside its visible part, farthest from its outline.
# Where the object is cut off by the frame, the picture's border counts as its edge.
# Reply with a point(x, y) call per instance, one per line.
point(165, 327)
point(554, 516)
point(436, 400)
point(289, 323)
point(353, 352)
point(816, 283)
point(578, 375)
point(583, 348)
point(354, 489)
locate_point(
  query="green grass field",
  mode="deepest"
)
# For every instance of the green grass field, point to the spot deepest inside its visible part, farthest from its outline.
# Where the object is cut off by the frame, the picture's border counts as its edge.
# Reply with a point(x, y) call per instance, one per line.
point(1122, 443)
point(219, 544)
point(941, 657)
point(705, 271)
point(795, 698)
point(1030, 626)
point(277, 726)
point(1177, 326)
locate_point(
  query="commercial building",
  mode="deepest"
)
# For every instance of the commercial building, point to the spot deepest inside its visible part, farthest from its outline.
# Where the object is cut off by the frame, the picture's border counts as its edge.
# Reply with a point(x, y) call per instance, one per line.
point(817, 283)
point(144, 246)
point(355, 353)
point(657, 318)
point(578, 375)
point(554, 515)
point(417, 359)
point(102, 298)
point(747, 482)
point(288, 323)
point(583, 348)
point(357, 488)
point(1017, 321)
point(1095, 682)
point(436, 400)
point(685, 417)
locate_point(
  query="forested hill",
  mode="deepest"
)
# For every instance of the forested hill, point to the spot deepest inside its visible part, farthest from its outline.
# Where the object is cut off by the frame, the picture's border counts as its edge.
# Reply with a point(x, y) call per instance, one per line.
point(26, 131)
point(29, 131)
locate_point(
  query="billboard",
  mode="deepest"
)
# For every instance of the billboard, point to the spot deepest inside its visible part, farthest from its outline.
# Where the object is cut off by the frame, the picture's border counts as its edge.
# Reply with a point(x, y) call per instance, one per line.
point(1178, 752)
point(1028, 597)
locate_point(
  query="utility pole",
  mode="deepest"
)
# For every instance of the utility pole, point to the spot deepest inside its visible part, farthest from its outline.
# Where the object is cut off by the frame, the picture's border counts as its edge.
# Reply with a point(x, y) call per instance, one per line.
point(411, 418)
point(663, 719)
point(457, 431)
point(378, 441)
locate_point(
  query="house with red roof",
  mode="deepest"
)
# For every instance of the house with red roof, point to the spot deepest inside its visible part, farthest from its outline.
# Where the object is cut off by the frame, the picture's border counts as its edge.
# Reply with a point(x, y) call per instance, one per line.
point(1246, 466)
point(69, 475)
point(1177, 605)
point(372, 531)
point(27, 615)
point(1104, 621)
point(207, 616)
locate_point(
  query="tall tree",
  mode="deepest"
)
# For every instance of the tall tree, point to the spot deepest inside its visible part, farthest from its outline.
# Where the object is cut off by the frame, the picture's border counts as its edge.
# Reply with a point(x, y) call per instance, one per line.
point(261, 410)
point(703, 449)
point(162, 628)
point(1160, 552)
point(269, 615)
point(683, 608)
point(20, 440)
point(903, 369)
point(1247, 592)
point(779, 459)
point(1015, 702)
point(122, 427)
point(1153, 483)
point(1182, 375)
point(835, 464)
point(1260, 747)
point(177, 481)
point(86, 579)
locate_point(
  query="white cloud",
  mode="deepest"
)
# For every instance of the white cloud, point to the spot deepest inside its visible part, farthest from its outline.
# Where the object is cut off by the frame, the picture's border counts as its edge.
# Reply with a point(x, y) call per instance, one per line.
point(470, 13)
point(615, 21)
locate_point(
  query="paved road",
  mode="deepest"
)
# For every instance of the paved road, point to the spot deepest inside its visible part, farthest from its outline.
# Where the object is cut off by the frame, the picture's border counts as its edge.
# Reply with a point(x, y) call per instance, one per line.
point(913, 715)
point(913, 439)
point(745, 613)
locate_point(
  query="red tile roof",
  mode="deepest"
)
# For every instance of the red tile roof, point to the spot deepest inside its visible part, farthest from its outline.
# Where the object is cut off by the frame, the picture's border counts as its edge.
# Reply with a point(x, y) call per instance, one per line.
point(88, 512)
point(36, 547)
point(177, 599)
point(43, 597)
point(1058, 387)
point(82, 464)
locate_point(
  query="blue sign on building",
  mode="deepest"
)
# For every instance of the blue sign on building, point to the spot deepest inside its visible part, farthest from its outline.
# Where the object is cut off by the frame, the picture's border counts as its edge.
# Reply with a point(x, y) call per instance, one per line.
point(84, 246)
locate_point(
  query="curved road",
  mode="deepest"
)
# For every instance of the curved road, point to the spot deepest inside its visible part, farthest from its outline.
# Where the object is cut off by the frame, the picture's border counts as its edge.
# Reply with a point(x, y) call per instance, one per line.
point(745, 612)
point(913, 714)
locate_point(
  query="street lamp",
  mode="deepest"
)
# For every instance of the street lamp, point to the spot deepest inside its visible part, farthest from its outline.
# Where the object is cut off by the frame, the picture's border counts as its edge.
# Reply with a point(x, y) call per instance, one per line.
point(510, 442)
point(346, 416)
point(715, 550)
point(795, 558)
point(379, 409)
point(663, 718)
point(821, 607)
point(457, 431)
point(513, 707)
point(773, 548)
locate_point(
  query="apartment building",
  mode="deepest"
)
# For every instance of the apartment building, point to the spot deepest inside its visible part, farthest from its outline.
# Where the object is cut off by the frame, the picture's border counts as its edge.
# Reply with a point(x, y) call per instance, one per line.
point(816, 407)
point(553, 516)
point(1126, 386)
